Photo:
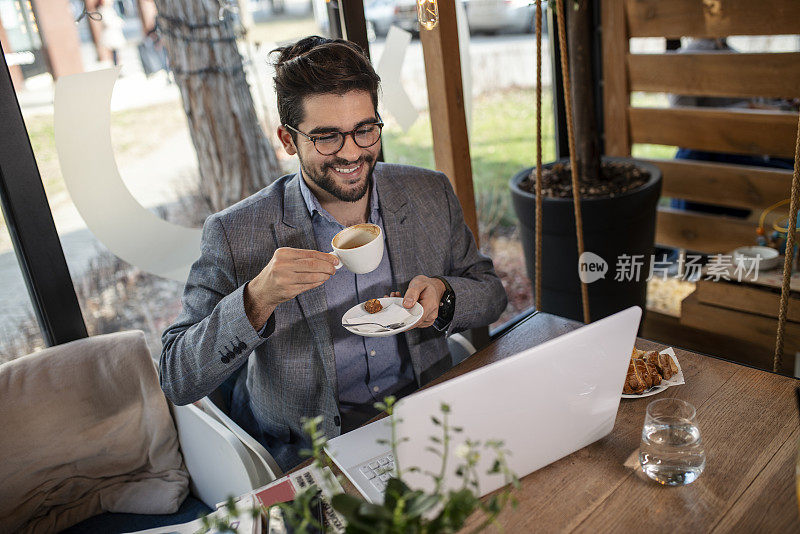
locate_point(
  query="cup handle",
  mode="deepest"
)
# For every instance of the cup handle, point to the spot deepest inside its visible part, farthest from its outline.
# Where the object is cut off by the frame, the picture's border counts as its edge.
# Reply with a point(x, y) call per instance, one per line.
point(338, 265)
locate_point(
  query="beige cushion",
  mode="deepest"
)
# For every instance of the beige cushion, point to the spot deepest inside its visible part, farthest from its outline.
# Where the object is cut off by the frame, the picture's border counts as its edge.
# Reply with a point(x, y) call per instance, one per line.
point(85, 430)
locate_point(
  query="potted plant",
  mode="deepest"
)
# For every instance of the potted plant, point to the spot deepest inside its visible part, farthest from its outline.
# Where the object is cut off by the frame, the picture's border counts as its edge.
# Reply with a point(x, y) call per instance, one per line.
point(618, 204)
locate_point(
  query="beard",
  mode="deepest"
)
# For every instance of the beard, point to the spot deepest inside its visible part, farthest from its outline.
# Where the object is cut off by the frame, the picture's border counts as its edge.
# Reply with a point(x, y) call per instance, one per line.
point(323, 177)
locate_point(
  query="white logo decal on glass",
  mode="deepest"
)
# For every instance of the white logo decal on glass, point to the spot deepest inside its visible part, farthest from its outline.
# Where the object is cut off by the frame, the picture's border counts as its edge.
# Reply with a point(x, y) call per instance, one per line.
point(395, 98)
point(114, 216)
point(591, 267)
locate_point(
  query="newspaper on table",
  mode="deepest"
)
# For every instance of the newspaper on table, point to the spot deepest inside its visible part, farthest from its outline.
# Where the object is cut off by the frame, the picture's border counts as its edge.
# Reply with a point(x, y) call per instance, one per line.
point(284, 490)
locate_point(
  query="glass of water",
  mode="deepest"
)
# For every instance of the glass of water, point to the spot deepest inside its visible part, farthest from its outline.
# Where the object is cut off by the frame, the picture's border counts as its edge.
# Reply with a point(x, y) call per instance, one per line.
point(671, 452)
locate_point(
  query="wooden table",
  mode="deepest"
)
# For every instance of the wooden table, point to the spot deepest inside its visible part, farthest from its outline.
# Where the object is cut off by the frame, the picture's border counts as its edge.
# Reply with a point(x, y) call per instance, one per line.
point(749, 424)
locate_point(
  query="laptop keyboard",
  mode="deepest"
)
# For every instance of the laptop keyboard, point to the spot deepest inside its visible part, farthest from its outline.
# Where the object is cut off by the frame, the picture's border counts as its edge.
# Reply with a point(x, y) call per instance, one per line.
point(378, 470)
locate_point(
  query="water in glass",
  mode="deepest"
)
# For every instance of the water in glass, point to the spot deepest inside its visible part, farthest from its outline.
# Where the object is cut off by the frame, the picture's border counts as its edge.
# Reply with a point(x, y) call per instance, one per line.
point(671, 452)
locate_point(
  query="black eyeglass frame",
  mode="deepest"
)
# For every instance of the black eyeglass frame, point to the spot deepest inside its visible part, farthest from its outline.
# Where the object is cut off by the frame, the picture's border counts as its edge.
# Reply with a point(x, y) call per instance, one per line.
point(342, 136)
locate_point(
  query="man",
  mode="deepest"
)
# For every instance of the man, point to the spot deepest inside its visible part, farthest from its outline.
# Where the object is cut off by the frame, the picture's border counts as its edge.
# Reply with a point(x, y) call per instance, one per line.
point(265, 291)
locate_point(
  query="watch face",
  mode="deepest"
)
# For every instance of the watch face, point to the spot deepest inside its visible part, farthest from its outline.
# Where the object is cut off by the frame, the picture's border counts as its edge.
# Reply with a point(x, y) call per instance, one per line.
point(446, 311)
point(446, 306)
point(447, 301)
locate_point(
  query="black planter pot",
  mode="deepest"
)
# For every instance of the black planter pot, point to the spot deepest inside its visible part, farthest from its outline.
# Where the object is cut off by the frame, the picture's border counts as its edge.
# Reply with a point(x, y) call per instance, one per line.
point(612, 227)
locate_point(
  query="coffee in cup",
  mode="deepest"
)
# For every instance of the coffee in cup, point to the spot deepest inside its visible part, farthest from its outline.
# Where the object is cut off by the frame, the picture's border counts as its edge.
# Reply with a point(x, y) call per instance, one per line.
point(359, 247)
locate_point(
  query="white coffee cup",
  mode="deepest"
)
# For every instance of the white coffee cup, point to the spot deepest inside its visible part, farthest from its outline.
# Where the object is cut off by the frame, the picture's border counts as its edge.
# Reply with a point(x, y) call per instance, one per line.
point(359, 247)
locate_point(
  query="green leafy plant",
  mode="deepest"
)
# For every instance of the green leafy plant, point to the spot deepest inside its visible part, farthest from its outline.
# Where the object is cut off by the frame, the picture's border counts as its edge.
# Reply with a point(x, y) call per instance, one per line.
point(406, 510)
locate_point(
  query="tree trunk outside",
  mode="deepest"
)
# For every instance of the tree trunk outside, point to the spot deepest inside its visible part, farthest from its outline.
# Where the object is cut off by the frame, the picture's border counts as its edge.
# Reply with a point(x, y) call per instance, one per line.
point(587, 136)
point(234, 156)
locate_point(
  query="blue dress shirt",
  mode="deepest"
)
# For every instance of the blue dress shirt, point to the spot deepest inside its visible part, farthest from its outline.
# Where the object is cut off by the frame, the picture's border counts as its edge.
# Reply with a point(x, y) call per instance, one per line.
point(367, 368)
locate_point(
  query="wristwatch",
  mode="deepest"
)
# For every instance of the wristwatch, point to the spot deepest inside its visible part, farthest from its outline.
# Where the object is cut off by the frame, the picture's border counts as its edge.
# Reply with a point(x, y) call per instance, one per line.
point(447, 306)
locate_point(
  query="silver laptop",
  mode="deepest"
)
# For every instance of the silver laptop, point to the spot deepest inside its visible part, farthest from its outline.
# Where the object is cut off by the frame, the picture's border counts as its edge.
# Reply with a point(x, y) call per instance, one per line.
point(543, 403)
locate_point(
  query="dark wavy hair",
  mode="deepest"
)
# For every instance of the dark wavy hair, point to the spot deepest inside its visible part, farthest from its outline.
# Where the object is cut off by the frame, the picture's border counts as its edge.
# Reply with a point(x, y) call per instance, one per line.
point(316, 65)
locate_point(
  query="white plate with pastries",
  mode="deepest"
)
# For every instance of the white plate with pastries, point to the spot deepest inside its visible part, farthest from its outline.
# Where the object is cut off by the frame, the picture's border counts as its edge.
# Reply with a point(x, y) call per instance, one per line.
point(674, 380)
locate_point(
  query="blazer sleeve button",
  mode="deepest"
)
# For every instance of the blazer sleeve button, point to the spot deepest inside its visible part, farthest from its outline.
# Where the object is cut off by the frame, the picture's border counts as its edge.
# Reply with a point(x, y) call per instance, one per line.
point(337, 421)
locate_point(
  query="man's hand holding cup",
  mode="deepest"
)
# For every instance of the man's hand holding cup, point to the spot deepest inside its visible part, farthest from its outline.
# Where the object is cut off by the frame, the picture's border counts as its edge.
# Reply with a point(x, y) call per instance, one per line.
point(292, 271)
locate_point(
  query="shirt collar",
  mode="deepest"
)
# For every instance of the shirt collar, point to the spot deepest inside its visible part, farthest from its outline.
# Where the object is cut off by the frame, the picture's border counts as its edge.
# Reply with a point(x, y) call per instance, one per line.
point(313, 205)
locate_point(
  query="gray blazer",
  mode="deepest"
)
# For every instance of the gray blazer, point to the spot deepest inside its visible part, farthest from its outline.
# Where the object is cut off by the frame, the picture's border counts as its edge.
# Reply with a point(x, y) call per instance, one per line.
point(292, 372)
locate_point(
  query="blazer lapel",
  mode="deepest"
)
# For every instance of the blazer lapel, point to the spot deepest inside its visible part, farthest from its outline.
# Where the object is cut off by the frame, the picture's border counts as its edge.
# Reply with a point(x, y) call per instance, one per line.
point(296, 231)
point(400, 226)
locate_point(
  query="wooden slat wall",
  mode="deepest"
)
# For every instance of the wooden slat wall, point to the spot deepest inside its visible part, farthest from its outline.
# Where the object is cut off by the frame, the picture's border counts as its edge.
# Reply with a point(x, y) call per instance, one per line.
point(745, 132)
point(735, 75)
point(737, 186)
point(746, 298)
point(703, 233)
point(615, 82)
point(749, 328)
point(710, 18)
point(756, 132)
point(669, 330)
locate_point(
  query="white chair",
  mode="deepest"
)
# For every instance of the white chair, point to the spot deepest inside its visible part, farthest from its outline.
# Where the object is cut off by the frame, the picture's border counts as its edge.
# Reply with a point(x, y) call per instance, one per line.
point(266, 468)
point(219, 464)
point(460, 348)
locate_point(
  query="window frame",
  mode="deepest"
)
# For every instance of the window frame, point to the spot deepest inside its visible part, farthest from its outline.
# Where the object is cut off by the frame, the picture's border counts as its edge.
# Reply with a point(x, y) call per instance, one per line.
point(31, 226)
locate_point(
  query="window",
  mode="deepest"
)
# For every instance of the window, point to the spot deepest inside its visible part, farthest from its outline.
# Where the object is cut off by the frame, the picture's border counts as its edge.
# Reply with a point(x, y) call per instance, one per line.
point(502, 51)
point(19, 331)
point(148, 169)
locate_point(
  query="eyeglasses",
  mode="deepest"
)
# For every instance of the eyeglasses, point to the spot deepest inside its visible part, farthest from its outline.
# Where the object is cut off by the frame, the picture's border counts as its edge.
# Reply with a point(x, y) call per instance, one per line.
point(329, 144)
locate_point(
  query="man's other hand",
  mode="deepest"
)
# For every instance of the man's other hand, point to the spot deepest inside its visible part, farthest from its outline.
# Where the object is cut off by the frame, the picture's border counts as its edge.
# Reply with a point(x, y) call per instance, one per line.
point(291, 271)
point(428, 292)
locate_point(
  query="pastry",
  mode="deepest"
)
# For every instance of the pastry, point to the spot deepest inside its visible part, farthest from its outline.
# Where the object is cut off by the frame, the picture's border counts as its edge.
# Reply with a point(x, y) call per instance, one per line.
point(373, 306)
point(663, 362)
point(653, 378)
point(635, 382)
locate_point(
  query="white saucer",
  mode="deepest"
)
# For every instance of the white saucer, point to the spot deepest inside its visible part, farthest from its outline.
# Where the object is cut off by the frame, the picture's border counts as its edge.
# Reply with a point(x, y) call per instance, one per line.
point(358, 310)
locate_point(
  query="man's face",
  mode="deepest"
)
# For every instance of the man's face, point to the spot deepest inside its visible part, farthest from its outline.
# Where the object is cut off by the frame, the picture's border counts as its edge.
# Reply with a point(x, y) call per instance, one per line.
point(346, 174)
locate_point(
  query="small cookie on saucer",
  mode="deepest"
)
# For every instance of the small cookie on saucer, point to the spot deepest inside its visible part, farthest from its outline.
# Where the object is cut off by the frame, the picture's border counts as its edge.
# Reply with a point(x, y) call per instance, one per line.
point(373, 306)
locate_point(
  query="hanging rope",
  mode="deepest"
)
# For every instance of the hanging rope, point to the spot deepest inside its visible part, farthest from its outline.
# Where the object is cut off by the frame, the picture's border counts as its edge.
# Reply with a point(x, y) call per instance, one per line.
point(787, 261)
point(537, 283)
point(576, 192)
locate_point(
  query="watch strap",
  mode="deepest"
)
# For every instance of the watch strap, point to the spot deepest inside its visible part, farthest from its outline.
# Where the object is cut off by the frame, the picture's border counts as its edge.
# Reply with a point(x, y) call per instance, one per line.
point(447, 306)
